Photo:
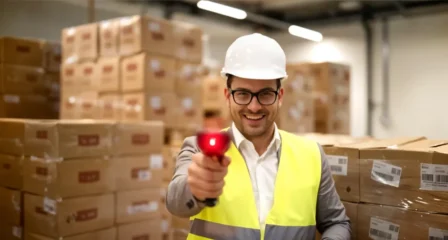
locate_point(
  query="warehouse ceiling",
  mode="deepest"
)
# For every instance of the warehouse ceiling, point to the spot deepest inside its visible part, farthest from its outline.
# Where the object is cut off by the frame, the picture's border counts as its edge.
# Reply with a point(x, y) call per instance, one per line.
point(304, 12)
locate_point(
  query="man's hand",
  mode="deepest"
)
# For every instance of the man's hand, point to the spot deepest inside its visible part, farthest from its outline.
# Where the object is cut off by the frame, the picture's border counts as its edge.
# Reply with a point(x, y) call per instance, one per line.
point(206, 176)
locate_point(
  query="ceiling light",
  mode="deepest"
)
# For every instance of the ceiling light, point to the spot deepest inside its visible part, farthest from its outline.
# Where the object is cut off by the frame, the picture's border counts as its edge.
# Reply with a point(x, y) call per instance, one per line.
point(305, 33)
point(222, 9)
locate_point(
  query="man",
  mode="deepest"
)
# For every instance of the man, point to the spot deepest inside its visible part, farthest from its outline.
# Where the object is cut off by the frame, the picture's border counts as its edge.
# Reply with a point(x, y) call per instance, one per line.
point(271, 184)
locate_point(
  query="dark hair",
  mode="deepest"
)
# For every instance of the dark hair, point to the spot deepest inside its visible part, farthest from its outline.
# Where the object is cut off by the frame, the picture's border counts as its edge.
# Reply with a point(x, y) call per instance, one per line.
point(230, 79)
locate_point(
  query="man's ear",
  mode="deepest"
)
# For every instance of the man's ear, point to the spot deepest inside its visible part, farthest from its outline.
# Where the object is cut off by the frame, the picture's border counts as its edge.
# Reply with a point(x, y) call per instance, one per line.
point(280, 96)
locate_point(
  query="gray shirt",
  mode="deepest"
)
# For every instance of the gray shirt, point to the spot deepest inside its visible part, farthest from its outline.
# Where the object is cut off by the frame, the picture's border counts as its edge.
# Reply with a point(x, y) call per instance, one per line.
point(332, 221)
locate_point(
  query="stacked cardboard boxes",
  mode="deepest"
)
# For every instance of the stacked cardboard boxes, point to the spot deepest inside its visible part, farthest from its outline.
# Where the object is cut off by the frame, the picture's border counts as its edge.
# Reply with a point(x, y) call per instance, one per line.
point(399, 186)
point(296, 113)
point(133, 68)
point(139, 167)
point(25, 87)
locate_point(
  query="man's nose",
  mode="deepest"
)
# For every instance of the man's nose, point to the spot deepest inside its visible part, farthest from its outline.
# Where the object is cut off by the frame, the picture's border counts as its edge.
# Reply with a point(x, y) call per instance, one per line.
point(254, 105)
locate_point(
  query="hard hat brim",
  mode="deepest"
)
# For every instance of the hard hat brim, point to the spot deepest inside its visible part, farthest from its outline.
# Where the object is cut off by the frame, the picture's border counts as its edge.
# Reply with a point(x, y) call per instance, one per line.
point(255, 75)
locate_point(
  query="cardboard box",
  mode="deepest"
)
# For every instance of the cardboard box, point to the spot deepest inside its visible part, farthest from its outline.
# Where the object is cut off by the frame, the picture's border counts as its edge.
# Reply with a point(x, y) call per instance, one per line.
point(154, 107)
point(414, 178)
point(110, 105)
point(138, 205)
point(108, 74)
point(299, 81)
point(24, 106)
point(138, 137)
point(10, 206)
point(21, 51)
point(399, 223)
point(87, 41)
point(106, 234)
point(83, 105)
point(108, 31)
point(69, 45)
point(167, 233)
point(69, 78)
point(182, 224)
point(53, 85)
point(86, 77)
point(10, 168)
point(17, 79)
point(140, 230)
point(68, 178)
point(53, 56)
point(10, 232)
point(144, 33)
point(351, 210)
point(56, 138)
point(148, 73)
point(190, 113)
point(139, 171)
point(213, 93)
point(188, 79)
point(188, 42)
point(296, 114)
point(66, 217)
point(169, 162)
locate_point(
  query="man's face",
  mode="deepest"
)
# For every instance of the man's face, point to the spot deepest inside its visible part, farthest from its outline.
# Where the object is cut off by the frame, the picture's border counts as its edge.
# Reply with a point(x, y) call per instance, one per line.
point(253, 119)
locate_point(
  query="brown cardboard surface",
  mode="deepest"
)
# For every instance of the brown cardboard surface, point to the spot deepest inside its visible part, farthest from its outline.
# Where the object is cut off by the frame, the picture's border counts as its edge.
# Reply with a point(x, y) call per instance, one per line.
point(17, 79)
point(69, 45)
point(188, 78)
point(150, 73)
point(11, 171)
point(10, 206)
point(138, 137)
point(188, 41)
point(300, 80)
point(163, 210)
point(347, 185)
point(408, 192)
point(107, 234)
point(351, 210)
point(24, 106)
point(20, 51)
point(181, 223)
point(87, 41)
point(82, 105)
point(108, 31)
point(140, 230)
point(56, 138)
point(144, 33)
point(296, 114)
point(138, 205)
point(53, 85)
point(153, 106)
point(52, 55)
point(66, 217)
point(412, 225)
point(10, 232)
point(213, 93)
point(110, 106)
point(139, 171)
point(169, 162)
point(61, 179)
point(69, 79)
point(108, 74)
point(189, 113)
point(86, 76)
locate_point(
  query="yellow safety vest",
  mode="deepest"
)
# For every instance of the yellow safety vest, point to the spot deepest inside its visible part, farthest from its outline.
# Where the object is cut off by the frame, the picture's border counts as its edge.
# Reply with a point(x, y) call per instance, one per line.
point(293, 214)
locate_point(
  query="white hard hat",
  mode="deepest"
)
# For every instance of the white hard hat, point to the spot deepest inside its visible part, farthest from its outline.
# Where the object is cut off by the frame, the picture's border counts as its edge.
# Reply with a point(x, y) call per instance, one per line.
point(255, 56)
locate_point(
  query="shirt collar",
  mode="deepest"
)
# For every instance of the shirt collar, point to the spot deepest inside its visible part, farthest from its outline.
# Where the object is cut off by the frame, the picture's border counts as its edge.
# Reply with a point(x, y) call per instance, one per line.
point(239, 138)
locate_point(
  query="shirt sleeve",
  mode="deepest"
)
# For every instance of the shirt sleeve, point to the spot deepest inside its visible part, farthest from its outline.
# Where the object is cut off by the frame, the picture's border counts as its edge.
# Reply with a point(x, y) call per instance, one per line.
point(332, 221)
point(179, 200)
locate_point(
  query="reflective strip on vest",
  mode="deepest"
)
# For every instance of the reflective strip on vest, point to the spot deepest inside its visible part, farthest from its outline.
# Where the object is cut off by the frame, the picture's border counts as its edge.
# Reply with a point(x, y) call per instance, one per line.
point(218, 231)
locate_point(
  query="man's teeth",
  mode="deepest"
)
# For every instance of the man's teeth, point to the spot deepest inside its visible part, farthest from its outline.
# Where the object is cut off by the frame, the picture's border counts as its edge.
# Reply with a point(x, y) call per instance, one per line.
point(254, 117)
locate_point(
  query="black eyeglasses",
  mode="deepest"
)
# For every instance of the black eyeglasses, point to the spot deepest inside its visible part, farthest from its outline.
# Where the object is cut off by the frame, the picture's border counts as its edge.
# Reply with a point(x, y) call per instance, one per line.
point(264, 97)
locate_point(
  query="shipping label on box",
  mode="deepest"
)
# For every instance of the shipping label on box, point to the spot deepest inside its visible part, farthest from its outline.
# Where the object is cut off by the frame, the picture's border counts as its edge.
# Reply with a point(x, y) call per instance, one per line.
point(11, 170)
point(149, 73)
point(144, 230)
point(138, 138)
point(139, 171)
point(108, 74)
point(138, 205)
point(10, 206)
point(20, 51)
point(22, 80)
point(66, 217)
point(144, 33)
point(108, 31)
point(71, 178)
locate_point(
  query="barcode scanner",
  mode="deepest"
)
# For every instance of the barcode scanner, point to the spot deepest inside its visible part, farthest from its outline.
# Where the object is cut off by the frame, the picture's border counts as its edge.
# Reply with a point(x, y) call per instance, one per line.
point(213, 144)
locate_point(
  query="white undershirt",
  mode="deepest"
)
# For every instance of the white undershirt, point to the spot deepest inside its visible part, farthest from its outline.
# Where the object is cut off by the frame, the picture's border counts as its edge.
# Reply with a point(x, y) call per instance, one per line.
point(262, 170)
